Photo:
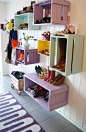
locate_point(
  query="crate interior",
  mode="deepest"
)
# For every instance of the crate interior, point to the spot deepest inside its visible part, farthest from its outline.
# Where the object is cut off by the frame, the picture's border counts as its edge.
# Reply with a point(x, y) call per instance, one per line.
point(42, 10)
point(18, 51)
point(57, 10)
point(55, 53)
point(69, 59)
point(29, 83)
point(20, 19)
point(43, 46)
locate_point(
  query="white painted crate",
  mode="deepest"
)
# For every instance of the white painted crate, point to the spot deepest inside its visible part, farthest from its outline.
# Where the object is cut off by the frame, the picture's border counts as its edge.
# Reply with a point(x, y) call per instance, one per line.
point(77, 53)
point(19, 84)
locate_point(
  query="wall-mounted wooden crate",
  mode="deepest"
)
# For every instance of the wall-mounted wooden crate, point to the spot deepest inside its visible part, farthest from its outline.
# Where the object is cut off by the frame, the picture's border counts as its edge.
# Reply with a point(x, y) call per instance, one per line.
point(57, 9)
point(43, 45)
point(74, 53)
point(25, 18)
point(31, 56)
point(58, 95)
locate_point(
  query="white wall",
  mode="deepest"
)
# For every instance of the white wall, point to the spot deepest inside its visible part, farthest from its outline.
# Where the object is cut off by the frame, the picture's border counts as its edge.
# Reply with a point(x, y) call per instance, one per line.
point(3, 40)
point(2, 13)
point(3, 44)
point(75, 111)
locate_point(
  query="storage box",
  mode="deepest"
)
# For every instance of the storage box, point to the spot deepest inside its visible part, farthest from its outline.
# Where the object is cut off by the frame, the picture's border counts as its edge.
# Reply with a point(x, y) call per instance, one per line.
point(58, 95)
point(74, 53)
point(30, 55)
point(19, 84)
point(57, 9)
point(25, 18)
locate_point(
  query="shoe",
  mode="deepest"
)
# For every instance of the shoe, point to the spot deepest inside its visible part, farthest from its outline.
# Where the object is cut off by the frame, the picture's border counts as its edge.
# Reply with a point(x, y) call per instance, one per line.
point(68, 30)
point(57, 77)
point(48, 20)
point(21, 54)
point(52, 76)
point(46, 96)
point(43, 74)
point(38, 70)
point(48, 76)
point(30, 8)
point(22, 58)
point(37, 22)
point(59, 81)
point(33, 88)
point(63, 68)
point(39, 92)
point(46, 36)
point(44, 20)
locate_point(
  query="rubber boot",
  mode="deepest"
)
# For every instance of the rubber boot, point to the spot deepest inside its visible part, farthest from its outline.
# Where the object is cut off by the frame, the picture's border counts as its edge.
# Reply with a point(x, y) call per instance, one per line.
point(48, 76)
point(52, 76)
point(62, 45)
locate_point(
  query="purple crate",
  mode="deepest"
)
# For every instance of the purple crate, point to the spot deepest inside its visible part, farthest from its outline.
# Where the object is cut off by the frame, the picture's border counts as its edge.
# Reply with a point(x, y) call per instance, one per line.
point(58, 95)
point(57, 8)
point(31, 56)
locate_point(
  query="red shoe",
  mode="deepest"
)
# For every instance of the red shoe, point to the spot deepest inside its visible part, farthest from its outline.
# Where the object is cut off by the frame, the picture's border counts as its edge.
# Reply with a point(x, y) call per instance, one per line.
point(52, 76)
point(22, 58)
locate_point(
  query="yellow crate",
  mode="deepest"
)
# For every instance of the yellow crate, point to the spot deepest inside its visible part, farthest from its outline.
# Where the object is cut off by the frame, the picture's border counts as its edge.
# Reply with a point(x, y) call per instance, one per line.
point(42, 45)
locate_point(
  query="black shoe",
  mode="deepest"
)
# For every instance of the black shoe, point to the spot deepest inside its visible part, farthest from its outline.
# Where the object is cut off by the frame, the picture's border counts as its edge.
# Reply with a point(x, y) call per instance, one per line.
point(37, 22)
point(48, 20)
point(44, 20)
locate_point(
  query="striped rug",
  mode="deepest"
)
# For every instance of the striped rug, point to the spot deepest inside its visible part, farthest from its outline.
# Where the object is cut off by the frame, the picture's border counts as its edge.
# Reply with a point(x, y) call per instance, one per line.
point(14, 118)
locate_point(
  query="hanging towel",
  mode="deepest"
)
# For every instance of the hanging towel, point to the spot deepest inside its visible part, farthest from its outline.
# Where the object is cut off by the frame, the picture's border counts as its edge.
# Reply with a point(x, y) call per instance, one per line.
point(13, 38)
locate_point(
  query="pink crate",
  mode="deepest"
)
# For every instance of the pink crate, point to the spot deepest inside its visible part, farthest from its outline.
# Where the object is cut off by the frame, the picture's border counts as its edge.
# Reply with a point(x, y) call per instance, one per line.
point(58, 9)
point(58, 95)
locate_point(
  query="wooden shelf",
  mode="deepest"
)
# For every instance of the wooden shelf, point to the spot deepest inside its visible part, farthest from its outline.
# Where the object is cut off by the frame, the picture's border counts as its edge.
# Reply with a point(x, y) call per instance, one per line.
point(43, 54)
point(58, 95)
point(74, 53)
point(25, 18)
point(57, 9)
point(39, 100)
point(33, 55)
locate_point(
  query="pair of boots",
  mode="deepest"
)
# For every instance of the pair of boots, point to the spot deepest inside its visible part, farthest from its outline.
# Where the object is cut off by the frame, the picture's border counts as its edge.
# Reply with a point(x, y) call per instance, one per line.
point(50, 76)
point(58, 80)
point(62, 61)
